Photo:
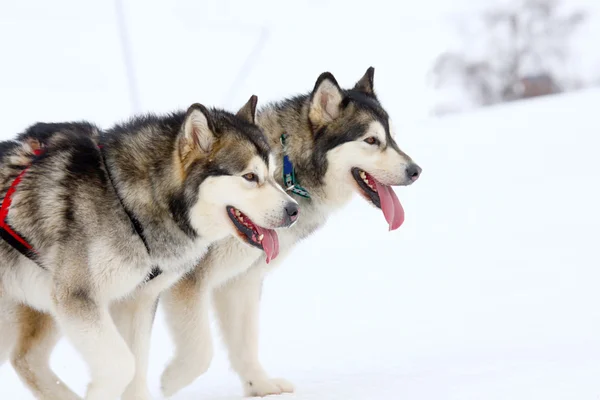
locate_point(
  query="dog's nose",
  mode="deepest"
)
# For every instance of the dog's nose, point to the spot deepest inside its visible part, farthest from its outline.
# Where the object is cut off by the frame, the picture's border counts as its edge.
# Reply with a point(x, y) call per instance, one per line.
point(291, 213)
point(413, 171)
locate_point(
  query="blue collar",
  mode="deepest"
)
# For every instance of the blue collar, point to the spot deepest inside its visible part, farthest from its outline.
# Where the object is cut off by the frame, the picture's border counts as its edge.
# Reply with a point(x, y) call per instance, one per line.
point(289, 177)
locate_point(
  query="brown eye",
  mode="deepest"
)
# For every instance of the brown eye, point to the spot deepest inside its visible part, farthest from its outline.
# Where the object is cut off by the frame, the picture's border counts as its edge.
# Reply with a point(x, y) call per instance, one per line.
point(372, 140)
point(251, 177)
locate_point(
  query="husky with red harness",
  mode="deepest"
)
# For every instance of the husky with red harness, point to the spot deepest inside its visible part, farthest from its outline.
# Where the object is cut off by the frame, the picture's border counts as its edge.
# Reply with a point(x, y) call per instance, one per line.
point(94, 225)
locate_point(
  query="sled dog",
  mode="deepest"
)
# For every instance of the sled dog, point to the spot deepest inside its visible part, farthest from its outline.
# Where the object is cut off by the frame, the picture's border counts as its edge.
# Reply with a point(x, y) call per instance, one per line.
point(95, 224)
point(328, 144)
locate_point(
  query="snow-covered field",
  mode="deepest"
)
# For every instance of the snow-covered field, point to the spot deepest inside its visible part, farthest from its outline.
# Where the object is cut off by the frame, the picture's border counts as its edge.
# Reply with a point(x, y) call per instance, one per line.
point(489, 291)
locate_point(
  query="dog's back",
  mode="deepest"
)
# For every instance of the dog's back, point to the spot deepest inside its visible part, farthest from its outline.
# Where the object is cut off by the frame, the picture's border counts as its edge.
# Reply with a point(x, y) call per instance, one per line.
point(20, 152)
point(57, 180)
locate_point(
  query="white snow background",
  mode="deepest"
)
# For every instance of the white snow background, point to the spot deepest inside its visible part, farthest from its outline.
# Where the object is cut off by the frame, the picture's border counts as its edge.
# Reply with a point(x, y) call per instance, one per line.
point(489, 291)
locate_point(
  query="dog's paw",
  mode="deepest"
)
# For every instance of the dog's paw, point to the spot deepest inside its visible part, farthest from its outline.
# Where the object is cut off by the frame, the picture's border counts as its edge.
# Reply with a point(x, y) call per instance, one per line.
point(137, 393)
point(183, 370)
point(180, 373)
point(170, 384)
point(267, 386)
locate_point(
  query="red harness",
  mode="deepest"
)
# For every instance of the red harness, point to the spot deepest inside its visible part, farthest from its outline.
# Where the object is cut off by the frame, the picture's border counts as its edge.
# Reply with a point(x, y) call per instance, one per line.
point(6, 231)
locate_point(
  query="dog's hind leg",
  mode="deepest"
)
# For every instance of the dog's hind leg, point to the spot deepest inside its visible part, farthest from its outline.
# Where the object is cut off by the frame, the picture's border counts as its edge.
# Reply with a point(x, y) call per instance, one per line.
point(37, 337)
point(186, 306)
point(237, 305)
point(91, 330)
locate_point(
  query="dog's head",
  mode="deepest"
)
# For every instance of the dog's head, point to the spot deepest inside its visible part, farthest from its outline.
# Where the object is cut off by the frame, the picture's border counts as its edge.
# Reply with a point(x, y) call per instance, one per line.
point(354, 145)
point(228, 157)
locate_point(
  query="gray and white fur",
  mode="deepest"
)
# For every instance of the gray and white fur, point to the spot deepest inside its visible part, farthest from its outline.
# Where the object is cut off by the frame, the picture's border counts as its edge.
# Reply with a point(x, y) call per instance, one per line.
point(333, 137)
point(177, 176)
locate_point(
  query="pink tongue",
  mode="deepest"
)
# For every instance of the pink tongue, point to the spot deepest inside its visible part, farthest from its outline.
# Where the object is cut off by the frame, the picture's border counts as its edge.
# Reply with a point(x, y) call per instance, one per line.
point(270, 242)
point(390, 205)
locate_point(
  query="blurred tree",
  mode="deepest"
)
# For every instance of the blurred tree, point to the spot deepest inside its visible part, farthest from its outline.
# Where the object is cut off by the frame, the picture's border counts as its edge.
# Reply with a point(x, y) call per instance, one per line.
point(522, 52)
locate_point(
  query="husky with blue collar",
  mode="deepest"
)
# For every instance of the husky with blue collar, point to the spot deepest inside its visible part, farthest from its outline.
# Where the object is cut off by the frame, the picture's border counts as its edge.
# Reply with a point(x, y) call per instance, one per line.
point(328, 145)
point(95, 224)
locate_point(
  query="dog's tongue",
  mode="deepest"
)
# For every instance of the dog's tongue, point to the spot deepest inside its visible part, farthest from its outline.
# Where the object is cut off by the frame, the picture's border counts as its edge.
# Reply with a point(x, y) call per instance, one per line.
point(390, 205)
point(270, 242)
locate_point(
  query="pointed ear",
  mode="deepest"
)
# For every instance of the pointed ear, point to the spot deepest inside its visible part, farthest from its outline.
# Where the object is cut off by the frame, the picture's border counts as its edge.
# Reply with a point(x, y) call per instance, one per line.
point(198, 130)
point(248, 111)
point(365, 84)
point(325, 100)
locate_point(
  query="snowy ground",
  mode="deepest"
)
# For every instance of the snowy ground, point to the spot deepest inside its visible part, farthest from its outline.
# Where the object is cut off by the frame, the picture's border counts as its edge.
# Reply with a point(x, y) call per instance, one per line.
point(488, 292)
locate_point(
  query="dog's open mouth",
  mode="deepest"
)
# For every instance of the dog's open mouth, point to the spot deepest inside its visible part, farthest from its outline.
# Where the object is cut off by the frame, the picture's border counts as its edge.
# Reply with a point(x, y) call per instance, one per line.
point(248, 231)
point(382, 196)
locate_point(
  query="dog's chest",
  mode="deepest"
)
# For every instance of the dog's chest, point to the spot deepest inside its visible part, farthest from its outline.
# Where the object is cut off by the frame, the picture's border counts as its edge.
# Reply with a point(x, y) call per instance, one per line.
point(313, 217)
point(185, 259)
point(227, 259)
point(230, 257)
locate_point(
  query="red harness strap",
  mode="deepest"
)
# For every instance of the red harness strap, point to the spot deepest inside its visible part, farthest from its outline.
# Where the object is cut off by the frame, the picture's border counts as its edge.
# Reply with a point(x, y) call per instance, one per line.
point(6, 231)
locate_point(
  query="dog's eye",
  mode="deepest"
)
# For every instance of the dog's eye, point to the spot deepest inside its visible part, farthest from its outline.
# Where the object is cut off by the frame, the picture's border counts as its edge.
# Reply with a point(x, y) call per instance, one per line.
point(251, 177)
point(372, 140)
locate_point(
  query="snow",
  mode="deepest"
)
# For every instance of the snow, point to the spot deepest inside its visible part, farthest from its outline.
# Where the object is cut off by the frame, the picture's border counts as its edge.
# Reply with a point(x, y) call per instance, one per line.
point(488, 291)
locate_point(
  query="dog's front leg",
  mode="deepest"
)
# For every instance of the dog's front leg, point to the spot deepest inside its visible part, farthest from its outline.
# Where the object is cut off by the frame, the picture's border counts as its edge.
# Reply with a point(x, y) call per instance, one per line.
point(90, 328)
point(8, 326)
point(134, 318)
point(186, 307)
point(237, 306)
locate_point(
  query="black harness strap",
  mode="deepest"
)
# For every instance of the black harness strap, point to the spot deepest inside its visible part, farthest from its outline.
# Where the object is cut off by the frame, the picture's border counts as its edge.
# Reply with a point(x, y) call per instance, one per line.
point(137, 226)
point(6, 233)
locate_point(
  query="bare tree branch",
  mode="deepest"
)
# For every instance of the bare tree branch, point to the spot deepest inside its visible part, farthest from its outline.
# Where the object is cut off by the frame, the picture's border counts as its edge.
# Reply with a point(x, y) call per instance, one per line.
point(526, 46)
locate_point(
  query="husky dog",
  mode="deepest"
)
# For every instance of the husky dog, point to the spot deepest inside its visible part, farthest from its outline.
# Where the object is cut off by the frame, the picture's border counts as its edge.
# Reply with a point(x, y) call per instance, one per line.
point(328, 144)
point(96, 224)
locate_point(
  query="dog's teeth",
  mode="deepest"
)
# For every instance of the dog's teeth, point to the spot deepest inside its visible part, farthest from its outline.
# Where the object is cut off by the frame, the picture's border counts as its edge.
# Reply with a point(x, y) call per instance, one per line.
point(363, 175)
point(241, 218)
point(261, 237)
point(237, 213)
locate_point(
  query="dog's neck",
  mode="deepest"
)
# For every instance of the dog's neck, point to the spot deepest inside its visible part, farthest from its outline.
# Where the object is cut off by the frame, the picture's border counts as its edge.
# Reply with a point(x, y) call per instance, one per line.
point(290, 117)
point(148, 164)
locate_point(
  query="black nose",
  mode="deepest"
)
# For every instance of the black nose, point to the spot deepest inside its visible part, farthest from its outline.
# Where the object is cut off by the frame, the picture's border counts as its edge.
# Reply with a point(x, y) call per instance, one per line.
point(413, 171)
point(291, 213)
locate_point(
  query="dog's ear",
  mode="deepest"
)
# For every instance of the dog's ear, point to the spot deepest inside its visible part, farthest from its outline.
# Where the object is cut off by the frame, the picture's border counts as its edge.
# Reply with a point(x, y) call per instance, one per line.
point(325, 100)
point(198, 131)
point(365, 84)
point(248, 111)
